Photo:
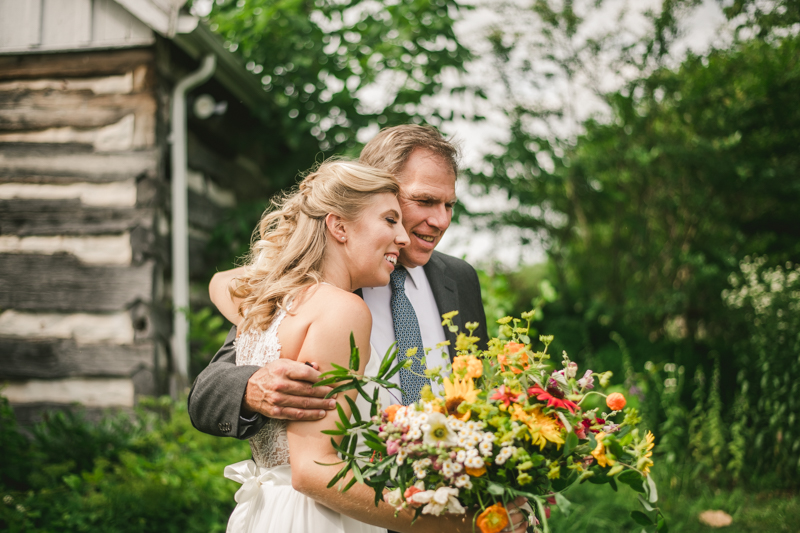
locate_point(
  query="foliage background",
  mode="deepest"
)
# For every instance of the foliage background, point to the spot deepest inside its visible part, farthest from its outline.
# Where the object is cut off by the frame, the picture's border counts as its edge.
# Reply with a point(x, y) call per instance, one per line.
point(667, 218)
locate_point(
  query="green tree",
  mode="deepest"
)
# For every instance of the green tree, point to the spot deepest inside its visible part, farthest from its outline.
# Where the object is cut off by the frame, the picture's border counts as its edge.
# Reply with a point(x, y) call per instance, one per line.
point(335, 68)
point(651, 208)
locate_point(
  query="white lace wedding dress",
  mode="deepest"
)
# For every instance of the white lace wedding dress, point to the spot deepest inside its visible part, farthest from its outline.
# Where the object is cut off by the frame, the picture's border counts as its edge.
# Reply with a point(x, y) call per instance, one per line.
point(266, 502)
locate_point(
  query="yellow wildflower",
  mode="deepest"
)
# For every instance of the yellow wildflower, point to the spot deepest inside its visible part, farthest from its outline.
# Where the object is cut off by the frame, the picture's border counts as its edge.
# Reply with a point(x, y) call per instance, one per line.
point(448, 316)
point(599, 453)
point(542, 428)
point(456, 392)
point(645, 461)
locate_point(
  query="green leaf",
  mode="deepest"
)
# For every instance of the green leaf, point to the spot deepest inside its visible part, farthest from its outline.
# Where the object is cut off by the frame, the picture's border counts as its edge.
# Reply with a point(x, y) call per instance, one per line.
point(355, 359)
point(494, 489)
point(650, 489)
point(354, 409)
point(563, 504)
point(632, 478)
point(570, 443)
point(645, 503)
point(387, 359)
point(641, 518)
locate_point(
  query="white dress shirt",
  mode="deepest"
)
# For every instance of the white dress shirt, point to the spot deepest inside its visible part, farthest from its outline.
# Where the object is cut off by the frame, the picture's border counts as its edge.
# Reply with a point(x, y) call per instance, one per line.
point(419, 293)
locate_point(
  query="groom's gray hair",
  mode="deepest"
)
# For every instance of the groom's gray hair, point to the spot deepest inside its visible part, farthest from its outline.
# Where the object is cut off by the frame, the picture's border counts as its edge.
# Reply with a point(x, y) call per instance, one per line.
point(390, 148)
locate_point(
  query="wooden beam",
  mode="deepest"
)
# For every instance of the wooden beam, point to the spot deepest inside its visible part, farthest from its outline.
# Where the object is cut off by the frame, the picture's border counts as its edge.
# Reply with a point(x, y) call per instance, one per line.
point(22, 358)
point(91, 392)
point(68, 217)
point(49, 163)
point(70, 64)
point(26, 110)
point(83, 328)
point(62, 283)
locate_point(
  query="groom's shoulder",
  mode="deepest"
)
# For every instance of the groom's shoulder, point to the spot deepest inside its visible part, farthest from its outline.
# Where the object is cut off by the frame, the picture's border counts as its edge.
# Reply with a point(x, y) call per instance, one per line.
point(452, 265)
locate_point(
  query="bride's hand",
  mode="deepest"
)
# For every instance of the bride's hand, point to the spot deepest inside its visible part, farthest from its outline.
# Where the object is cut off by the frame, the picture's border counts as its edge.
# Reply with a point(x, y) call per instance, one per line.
point(283, 389)
point(518, 521)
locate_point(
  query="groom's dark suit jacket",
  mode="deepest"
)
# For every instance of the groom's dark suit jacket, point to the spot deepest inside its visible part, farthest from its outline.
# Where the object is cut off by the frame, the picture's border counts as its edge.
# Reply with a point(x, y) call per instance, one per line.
point(216, 396)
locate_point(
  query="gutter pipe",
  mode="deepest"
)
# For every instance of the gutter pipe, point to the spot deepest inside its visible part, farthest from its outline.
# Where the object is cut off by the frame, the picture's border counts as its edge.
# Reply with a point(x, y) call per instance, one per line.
point(180, 221)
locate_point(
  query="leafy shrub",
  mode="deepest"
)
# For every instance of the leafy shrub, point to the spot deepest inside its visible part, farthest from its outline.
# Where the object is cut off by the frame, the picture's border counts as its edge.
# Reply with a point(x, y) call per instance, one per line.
point(150, 471)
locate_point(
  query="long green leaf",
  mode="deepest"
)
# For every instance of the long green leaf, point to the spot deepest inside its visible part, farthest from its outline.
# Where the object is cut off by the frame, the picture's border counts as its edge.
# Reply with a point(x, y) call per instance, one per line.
point(355, 359)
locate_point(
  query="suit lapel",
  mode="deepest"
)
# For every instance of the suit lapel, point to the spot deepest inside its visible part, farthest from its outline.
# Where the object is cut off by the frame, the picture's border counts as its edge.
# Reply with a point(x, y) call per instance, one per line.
point(445, 292)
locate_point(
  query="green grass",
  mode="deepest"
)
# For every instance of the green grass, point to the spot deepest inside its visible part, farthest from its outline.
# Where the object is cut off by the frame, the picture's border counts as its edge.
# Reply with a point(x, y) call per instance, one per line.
point(599, 509)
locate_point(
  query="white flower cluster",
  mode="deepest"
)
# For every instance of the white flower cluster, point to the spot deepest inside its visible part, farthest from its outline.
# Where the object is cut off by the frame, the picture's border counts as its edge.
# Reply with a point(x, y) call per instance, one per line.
point(438, 444)
point(505, 454)
point(436, 502)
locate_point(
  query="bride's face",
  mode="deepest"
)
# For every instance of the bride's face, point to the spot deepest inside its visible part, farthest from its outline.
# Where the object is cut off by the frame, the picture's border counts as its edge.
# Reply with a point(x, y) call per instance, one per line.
point(374, 241)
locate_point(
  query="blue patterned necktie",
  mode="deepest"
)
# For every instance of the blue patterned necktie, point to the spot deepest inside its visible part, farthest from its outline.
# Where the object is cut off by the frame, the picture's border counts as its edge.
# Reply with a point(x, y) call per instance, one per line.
point(408, 335)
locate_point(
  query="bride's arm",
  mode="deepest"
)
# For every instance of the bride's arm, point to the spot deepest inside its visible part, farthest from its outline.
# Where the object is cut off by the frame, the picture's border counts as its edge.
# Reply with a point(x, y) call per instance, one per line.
point(327, 342)
point(221, 296)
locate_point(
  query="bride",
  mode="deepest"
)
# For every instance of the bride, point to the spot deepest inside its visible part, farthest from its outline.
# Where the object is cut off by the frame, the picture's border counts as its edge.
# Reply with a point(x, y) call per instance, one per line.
point(340, 231)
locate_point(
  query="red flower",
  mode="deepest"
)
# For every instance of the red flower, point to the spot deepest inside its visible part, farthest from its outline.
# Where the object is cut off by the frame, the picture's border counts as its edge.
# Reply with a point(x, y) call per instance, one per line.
point(504, 395)
point(552, 401)
point(587, 424)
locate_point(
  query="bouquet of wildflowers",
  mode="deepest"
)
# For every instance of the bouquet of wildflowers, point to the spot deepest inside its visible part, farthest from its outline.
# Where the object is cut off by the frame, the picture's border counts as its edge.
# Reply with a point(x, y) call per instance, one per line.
point(508, 424)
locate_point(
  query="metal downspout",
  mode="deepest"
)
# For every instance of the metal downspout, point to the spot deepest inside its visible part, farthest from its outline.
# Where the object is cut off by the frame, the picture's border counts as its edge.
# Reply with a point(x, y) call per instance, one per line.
point(180, 221)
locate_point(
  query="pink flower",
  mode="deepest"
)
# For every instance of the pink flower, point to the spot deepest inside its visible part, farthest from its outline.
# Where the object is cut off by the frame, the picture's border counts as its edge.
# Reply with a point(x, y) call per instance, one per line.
point(392, 447)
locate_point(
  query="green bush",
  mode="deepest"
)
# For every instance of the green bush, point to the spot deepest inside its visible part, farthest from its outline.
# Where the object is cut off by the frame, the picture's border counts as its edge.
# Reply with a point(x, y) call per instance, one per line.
point(150, 471)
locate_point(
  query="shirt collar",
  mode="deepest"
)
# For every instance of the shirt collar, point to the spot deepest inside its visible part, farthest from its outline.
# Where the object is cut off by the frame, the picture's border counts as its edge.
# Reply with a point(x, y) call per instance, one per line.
point(416, 274)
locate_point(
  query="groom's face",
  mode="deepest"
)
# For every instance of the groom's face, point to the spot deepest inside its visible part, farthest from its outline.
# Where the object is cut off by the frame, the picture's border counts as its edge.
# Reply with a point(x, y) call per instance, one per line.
point(427, 196)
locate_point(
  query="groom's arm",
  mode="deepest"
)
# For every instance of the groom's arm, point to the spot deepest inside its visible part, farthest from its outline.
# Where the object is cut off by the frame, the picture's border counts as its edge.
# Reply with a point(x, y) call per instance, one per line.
point(234, 401)
point(215, 401)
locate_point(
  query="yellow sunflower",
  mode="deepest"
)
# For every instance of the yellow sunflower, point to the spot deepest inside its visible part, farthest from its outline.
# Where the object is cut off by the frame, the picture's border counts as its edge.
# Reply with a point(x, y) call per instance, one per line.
point(456, 392)
point(541, 427)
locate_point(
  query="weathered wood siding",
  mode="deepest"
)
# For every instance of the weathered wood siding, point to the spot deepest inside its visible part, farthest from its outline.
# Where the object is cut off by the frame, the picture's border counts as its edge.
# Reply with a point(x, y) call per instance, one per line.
point(81, 268)
point(48, 25)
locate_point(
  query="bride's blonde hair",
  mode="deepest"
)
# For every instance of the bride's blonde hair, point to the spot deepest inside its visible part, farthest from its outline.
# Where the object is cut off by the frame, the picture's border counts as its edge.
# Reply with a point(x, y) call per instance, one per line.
point(288, 246)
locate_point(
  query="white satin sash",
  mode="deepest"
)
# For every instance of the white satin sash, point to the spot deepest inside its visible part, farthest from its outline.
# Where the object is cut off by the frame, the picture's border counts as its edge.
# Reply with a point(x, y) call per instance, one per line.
point(250, 497)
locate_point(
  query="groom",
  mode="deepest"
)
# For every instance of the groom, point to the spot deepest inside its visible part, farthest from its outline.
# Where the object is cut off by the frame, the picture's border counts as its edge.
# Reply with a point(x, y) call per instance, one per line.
point(235, 401)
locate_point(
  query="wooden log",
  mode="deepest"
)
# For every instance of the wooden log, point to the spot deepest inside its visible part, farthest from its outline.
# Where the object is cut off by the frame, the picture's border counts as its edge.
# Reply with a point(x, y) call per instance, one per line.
point(112, 194)
point(69, 217)
point(67, 65)
point(83, 328)
point(91, 392)
point(116, 137)
point(26, 110)
point(49, 163)
point(90, 250)
point(61, 283)
point(22, 358)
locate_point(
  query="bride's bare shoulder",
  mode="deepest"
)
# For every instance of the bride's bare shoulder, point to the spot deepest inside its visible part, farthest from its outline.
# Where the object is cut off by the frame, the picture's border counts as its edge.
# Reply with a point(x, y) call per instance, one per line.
point(335, 306)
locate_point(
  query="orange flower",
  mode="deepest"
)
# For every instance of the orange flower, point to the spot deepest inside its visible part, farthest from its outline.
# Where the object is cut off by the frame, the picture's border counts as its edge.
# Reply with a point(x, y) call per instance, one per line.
point(469, 365)
point(475, 472)
point(493, 519)
point(520, 357)
point(391, 411)
point(616, 401)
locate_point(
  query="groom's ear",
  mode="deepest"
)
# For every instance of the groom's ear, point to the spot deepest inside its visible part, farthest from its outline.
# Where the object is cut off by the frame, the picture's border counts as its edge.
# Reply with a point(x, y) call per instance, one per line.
point(336, 227)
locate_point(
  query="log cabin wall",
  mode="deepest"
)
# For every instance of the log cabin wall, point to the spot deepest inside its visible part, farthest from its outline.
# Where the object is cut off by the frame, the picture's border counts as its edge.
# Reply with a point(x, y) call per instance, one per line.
point(81, 204)
point(85, 301)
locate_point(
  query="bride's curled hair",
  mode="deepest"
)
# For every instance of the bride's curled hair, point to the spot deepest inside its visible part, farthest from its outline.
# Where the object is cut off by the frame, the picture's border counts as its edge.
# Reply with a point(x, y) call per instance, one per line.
point(288, 246)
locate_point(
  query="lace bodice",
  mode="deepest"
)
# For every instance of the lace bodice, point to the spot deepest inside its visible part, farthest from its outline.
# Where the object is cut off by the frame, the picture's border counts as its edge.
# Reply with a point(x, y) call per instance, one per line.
point(270, 445)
